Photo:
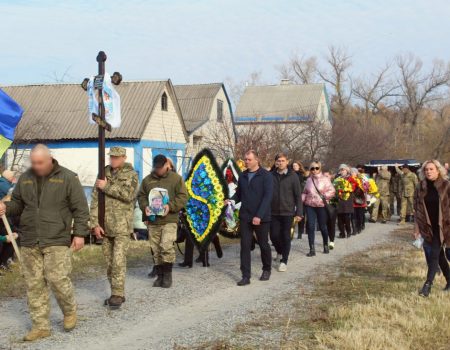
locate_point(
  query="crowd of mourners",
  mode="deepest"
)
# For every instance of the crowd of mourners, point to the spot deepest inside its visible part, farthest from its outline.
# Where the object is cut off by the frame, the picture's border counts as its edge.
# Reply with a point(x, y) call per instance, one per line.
point(276, 205)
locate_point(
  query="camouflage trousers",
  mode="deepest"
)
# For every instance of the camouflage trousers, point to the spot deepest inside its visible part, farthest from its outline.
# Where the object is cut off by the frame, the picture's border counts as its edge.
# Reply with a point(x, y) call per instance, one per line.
point(407, 207)
point(115, 252)
point(395, 198)
point(43, 268)
point(384, 202)
point(161, 242)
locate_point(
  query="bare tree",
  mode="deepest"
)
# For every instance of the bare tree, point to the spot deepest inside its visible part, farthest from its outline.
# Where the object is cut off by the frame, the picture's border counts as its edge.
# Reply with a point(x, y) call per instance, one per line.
point(300, 69)
point(420, 89)
point(375, 91)
point(236, 89)
point(336, 74)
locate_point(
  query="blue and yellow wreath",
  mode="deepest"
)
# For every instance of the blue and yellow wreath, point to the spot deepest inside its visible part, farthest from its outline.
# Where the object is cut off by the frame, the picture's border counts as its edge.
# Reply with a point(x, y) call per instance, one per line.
point(207, 192)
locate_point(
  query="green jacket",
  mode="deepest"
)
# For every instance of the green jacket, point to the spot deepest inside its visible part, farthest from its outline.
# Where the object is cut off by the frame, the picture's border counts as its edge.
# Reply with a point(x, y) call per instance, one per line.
point(176, 189)
point(47, 220)
point(120, 196)
point(408, 183)
point(383, 179)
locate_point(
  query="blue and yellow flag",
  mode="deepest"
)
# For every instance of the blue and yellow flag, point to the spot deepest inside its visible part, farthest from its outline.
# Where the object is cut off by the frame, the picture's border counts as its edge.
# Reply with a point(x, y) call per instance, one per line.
point(10, 114)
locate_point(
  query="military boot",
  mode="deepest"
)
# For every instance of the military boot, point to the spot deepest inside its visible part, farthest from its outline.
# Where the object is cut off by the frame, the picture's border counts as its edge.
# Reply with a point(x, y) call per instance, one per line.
point(159, 273)
point(36, 334)
point(115, 302)
point(167, 276)
point(70, 322)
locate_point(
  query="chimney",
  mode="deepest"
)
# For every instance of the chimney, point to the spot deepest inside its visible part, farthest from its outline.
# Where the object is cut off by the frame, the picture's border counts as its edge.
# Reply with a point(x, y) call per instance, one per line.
point(285, 82)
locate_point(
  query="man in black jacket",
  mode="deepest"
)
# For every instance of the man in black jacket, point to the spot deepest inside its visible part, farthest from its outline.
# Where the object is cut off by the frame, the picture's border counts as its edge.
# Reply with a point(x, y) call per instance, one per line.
point(286, 206)
point(254, 191)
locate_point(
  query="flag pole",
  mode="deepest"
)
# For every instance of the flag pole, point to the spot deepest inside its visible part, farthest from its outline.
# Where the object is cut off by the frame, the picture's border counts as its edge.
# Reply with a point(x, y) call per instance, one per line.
point(11, 237)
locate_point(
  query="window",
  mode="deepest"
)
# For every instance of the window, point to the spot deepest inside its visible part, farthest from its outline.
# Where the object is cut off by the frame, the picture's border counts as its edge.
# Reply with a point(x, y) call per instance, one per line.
point(219, 110)
point(164, 102)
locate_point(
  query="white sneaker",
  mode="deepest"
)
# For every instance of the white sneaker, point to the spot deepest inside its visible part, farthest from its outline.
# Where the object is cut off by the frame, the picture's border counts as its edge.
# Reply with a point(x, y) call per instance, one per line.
point(282, 267)
point(277, 259)
point(331, 245)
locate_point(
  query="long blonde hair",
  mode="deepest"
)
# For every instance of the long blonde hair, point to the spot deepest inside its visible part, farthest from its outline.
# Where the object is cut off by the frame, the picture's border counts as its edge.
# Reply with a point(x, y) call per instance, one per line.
point(439, 167)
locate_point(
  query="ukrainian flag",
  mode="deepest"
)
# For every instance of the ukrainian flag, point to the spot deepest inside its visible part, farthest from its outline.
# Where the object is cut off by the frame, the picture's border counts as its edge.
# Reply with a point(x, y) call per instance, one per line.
point(10, 114)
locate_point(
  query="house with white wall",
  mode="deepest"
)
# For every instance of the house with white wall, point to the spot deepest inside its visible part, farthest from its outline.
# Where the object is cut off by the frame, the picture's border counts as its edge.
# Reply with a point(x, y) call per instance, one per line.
point(286, 103)
point(208, 117)
point(57, 115)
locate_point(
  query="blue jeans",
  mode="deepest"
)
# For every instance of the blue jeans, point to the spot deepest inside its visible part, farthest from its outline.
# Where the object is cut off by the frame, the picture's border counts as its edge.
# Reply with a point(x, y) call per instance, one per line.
point(320, 215)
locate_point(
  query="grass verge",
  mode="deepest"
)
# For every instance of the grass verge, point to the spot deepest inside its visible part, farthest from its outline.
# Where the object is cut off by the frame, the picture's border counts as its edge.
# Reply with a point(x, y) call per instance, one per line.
point(368, 301)
point(87, 263)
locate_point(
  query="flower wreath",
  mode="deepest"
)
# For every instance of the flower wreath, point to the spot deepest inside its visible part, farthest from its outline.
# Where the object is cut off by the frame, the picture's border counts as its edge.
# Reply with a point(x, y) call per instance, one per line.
point(230, 225)
point(207, 192)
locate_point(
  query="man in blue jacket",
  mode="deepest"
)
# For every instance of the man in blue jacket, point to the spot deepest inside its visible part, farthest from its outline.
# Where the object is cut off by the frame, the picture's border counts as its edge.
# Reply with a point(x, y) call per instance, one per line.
point(254, 191)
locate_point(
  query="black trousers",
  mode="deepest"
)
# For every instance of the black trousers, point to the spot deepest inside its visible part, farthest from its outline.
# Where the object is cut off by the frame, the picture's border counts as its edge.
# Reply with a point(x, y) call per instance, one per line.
point(345, 224)
point(280, 235)
point(359, 219)
point(204, 254)
point(436, 257)
point(331, 226)
point(319, 215)
point(6, 253)
point(301, 228)
point(262, 237)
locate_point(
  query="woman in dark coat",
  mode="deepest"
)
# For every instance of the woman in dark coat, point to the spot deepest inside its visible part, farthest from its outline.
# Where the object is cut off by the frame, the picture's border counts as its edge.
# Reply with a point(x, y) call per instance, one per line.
point(344, 207)
point(299, 169)
point(432, 212)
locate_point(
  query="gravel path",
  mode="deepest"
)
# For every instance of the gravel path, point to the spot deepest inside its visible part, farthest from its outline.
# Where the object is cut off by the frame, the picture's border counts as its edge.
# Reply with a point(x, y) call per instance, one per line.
point(204, 303)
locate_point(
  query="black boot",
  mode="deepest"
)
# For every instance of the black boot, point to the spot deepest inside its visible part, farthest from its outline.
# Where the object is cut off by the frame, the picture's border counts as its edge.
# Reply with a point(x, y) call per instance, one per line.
point(167, 275)
point(185, 264)
point(159, 273)
point(218, 247)
point(152, 273)
point(426, 289)
point(326, 249)
point(205, 257)
point(312, 251)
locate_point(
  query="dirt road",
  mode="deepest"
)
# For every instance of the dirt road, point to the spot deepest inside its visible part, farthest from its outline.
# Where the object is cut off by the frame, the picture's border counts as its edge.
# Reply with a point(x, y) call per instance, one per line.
point(203, 304)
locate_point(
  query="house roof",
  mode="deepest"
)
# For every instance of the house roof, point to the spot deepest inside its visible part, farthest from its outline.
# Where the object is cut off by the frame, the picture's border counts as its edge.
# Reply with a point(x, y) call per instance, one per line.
point(285, 102)
point(60, 111)
point(196, 102)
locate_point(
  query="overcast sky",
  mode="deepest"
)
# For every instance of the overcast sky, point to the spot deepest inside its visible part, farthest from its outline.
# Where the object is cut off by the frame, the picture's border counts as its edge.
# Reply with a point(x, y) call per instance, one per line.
point(197, 41)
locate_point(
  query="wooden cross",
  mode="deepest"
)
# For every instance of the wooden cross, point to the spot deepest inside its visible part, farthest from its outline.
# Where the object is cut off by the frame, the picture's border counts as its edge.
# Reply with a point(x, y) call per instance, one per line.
point(102, 126)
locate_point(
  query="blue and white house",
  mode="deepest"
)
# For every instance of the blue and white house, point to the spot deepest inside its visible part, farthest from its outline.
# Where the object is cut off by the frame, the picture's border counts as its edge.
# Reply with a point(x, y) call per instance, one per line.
point(285, 103)
point(57, 116)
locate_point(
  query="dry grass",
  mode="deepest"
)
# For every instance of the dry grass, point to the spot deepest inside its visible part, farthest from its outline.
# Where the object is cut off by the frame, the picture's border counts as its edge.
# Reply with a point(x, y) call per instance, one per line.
point(369, 301)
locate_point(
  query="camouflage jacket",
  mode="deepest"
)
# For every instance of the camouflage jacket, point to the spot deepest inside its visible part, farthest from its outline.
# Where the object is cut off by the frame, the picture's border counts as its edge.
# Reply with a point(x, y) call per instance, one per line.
point(383, 179)
point(59, 211)
point(120, 196)
point(395, 183)
point(408, 183)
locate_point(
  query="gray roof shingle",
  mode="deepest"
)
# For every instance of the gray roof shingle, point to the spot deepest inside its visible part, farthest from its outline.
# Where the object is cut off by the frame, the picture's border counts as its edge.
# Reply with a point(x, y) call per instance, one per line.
point(279, 103)
point(60, 111)
point(196, 102)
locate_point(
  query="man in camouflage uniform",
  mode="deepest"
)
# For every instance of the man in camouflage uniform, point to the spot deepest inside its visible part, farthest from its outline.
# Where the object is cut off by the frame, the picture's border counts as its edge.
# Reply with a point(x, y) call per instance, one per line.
point(408, 186)
point(395, 198)
point(50, 201)
point(163, 229)
point(382, 179)
point(120, 187)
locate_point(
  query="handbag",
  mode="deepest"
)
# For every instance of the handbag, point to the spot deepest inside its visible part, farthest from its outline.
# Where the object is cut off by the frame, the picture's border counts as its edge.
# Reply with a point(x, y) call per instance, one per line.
point(331, 210)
